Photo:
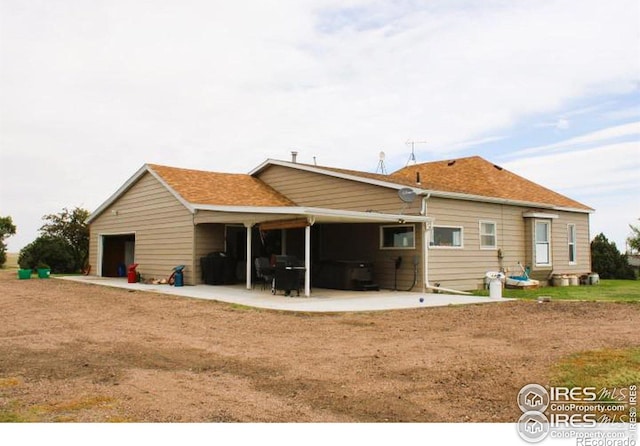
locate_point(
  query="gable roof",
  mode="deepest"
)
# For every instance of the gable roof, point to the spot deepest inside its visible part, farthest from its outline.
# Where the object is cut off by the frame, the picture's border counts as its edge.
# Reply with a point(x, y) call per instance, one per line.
point(472, 178)
point(221, 189)
point(197, 189)
point(477, 176)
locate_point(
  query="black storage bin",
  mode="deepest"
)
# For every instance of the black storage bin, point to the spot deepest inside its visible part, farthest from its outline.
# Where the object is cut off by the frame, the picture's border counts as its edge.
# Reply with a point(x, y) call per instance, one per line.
point(345, 275)
point(218, 269)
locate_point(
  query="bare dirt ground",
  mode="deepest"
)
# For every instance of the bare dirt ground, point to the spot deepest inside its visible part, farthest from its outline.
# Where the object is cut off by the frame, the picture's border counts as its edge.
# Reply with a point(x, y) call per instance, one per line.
point(85, 353)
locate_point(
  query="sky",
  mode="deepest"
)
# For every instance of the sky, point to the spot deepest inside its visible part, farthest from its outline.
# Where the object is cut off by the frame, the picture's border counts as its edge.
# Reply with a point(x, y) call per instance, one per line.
point(90, 91)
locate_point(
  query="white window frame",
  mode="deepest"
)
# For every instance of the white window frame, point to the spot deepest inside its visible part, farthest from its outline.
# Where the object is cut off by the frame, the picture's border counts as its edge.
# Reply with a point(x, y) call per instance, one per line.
point(571, 242)
point(537, 243)
point(494, 235)
point(412, 245)
point(432, 244)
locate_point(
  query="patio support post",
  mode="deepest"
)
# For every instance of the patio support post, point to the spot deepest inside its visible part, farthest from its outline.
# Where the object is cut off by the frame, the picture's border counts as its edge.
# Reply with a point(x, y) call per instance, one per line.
point(307, 258)
point(249, 227)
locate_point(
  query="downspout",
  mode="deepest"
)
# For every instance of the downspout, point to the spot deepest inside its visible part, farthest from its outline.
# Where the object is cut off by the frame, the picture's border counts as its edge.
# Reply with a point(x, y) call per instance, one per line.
point(425, 243)
point(425, 253)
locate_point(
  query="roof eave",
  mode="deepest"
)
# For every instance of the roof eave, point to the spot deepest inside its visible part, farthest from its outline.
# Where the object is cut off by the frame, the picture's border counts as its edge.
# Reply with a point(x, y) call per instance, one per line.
point(313, 212)
point(342, 175)
point(511, 202)
point(128, 184)
point(418, 190)
point(121, 190)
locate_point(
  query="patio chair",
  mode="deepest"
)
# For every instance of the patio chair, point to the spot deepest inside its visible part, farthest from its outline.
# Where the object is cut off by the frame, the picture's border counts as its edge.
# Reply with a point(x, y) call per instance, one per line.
point(264, 271)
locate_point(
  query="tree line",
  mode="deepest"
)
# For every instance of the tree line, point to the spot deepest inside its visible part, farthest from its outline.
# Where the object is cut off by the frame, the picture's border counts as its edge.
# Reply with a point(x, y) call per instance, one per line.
point(62, 244)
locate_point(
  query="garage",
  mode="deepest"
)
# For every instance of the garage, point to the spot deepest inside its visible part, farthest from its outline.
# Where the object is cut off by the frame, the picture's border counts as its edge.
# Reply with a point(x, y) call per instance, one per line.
point(118, 251)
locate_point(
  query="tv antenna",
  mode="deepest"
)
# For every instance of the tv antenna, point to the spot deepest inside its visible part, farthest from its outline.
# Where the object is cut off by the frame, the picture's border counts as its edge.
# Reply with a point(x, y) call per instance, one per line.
point(381, 167)
point(412, 158)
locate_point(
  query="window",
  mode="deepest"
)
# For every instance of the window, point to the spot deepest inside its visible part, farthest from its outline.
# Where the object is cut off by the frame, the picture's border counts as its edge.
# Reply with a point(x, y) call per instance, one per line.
point(446, 236)
point(543, 242)
point(488, 239)
point(397, 237)
point(571, 239)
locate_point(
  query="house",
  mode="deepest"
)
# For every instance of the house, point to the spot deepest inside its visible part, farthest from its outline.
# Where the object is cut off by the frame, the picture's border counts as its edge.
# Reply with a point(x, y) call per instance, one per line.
point(445, 222)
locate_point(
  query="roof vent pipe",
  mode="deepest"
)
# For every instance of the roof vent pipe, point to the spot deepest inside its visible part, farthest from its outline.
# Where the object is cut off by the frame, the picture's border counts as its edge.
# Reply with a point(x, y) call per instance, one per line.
point(294, 156)
point(418, 178)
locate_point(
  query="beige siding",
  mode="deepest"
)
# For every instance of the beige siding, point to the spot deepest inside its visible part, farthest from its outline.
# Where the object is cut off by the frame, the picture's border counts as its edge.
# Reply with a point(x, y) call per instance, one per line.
point(162, 226)
point(315, 190)
point(362, 242)
point(209, 238)
point(465, 268)
point(559, 238)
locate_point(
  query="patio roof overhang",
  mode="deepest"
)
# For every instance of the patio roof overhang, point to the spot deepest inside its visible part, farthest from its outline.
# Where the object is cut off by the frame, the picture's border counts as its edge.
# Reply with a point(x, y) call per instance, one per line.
point(293, 216)
point(255, 214)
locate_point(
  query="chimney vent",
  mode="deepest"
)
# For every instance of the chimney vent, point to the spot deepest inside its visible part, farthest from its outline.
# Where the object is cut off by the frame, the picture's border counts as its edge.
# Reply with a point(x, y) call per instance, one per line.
point(294, 156)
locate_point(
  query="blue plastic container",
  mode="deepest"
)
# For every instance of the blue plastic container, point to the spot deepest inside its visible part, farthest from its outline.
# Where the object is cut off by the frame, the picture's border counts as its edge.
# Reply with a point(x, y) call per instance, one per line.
point(178, 275)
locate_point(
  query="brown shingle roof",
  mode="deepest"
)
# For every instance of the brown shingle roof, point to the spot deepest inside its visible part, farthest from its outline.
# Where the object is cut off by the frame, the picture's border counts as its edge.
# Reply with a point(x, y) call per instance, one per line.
point(223, 189)
point(477, 176)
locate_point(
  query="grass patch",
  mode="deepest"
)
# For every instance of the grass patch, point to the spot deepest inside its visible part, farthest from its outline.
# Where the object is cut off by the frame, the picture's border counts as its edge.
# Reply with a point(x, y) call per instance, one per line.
point(606, 290)
point(10, 416)
point(607, 368)
point(62, 411)
point(611, 372)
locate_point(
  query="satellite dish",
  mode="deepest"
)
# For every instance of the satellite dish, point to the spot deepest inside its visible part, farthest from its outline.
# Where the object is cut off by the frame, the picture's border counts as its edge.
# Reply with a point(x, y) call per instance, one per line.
point(382, 156)
point(407, 194)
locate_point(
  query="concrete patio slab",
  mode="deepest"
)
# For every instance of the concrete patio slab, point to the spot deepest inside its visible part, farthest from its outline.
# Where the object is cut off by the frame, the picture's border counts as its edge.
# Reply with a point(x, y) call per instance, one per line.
point(322, 300)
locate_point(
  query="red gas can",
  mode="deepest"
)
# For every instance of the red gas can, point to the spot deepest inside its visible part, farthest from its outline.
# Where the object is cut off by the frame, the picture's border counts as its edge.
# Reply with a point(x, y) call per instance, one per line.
point(132, 275)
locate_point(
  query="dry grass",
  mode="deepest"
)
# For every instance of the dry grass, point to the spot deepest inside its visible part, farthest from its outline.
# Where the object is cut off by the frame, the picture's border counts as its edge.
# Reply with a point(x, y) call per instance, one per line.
point(12, 260)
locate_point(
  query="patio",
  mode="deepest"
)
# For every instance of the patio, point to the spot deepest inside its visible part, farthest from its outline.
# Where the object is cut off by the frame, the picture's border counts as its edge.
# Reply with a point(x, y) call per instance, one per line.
point(321, 300)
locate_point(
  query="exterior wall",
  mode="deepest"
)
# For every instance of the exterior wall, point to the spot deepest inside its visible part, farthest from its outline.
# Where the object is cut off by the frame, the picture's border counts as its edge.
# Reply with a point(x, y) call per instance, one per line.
point(464, 268)
point(459, 268)
point(209, 237)
point(352, 241)
point(362, 242)
point(315, 190)
point(163, 229)
point(559, 240)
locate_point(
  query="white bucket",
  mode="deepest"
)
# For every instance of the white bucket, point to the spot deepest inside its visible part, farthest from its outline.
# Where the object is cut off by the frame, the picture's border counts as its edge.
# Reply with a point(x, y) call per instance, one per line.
point(495, 289)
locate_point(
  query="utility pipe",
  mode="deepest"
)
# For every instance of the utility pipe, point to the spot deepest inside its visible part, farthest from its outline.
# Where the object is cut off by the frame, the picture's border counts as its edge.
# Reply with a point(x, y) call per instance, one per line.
point(425, 253)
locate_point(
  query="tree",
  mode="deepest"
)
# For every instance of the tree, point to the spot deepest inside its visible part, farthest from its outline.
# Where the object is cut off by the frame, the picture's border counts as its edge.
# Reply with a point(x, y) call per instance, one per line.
point(53, 252)
point(7, 229)
point(70, 226)
point(634, 239)
point(607, 261)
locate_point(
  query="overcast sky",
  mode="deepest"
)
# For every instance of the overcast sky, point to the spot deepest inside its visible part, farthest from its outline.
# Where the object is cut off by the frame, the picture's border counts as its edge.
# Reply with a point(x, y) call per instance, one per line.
point(92, 90)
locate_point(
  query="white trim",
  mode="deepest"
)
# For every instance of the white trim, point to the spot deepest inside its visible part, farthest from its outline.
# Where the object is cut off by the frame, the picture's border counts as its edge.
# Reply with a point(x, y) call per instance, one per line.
point(495, 235)
point(100, 250)
point(121, 190)
point(128, 184)
point(419, 191)
point(333, 173)
point(381, 241)
point(542, 215)
point(433, 230)
point(320, 214)
point(548, 242)
point(177, 196)
point(572, 245)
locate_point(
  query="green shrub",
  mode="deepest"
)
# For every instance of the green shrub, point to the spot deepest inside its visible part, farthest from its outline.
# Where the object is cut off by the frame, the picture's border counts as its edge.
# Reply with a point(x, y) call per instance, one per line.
point(51, 251)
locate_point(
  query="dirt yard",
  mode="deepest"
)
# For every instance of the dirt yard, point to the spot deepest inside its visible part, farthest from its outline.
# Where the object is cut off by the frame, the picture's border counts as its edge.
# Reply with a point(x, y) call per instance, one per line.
point(83, 353)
